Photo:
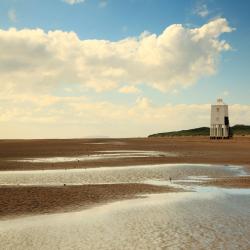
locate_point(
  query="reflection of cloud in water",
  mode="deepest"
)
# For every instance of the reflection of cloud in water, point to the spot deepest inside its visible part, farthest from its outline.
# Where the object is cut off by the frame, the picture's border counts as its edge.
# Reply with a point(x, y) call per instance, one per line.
point(107, 142)
point(209, 220)
point(101, 155)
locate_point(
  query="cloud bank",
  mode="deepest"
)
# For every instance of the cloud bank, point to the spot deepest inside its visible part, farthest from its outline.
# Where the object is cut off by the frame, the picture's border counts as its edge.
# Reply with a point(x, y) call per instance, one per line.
point(26, 116)
point(178, 57)
point(35, 63)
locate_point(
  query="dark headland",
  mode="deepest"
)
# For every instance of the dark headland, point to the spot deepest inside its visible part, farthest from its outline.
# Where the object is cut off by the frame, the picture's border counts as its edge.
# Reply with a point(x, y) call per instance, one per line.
point(240, 130)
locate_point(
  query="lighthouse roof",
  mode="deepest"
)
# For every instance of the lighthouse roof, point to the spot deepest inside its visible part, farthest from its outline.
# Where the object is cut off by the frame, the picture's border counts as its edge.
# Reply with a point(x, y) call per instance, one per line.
point(220, 102)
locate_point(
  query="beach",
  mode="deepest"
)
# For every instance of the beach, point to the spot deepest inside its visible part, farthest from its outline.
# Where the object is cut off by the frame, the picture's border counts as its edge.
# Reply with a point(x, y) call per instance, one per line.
point(51, 188)
point(180, 149)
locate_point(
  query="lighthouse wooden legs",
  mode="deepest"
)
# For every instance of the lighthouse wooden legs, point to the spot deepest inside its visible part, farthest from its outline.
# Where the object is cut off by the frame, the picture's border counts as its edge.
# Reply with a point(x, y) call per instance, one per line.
point(219, 132)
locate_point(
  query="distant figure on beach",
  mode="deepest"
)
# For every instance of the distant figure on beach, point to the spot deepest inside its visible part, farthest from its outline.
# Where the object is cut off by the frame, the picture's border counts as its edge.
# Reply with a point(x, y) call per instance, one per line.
point(170, 179)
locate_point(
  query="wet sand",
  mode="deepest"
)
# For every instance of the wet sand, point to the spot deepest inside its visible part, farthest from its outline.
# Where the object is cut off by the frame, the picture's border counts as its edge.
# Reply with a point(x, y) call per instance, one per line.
point(24, 200)
point(184, 149)
point(182, 220)
point(117, 193)
point(230, 182)
point(29, 200)
point(53, 191)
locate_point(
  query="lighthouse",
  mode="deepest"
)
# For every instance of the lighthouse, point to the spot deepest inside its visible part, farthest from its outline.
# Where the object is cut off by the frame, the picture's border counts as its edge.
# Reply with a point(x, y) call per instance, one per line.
point(219, 128)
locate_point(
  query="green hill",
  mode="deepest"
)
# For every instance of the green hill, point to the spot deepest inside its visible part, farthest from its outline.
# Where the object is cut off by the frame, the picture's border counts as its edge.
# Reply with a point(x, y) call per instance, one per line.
point(203, 131)
point(241, 130)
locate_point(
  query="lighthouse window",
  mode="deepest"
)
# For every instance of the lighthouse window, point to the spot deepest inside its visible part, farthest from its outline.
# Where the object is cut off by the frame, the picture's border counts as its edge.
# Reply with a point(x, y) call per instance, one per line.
point(217, 109)
point(226, 120)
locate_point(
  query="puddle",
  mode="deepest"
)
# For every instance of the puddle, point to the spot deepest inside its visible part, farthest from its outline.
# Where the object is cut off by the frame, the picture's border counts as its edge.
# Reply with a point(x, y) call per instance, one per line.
point(199, 178)
point(239, 170)
point(191, 184)
point(116, 154)
point(232, 191)
point(109, 143)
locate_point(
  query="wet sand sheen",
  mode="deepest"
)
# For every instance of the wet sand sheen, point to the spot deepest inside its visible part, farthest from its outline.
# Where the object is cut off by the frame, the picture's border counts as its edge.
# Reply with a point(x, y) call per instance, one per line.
point(105, 175)
point(181, 220)
point(181, 150)
point(229, 182)
point(204, 217)
point(28, 200)
point(100, 155)
point(35, 192)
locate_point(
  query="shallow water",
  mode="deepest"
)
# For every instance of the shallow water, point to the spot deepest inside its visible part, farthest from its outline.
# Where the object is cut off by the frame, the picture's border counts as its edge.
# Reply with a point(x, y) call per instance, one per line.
point(107, 142)
point(204, 218)
point(114, 154)
point(128, 174)
point(194, 220)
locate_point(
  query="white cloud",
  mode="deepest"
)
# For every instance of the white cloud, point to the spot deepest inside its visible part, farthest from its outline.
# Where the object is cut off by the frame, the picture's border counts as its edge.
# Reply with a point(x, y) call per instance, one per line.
point(34, 64)
point(12, 16)
point(239, 114)
point(73, 1)
point(129, 90)
point(201, 9)
point(33, 60)
point(80, 116)
point(69, 90)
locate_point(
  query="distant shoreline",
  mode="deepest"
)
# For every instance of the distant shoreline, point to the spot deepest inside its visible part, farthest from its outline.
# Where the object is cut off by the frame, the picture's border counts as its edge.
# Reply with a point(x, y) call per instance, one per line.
point(238, 130)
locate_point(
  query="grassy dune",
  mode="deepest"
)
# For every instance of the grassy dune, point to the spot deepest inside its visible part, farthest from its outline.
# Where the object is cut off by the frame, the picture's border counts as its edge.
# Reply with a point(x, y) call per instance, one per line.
point(203, 131)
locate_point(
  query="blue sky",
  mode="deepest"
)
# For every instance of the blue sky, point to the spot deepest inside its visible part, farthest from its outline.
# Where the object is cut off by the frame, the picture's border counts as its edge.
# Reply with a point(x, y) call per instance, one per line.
point(115, 20)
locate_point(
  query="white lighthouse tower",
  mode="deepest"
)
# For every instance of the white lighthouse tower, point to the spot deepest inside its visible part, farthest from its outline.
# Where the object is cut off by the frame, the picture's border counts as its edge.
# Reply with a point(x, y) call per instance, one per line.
point(219, 128)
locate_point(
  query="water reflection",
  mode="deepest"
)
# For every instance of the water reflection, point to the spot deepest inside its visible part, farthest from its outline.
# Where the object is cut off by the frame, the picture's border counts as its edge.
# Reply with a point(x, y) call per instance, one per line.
point(204, 218)
point(128, 174)
point(114, 154)
point(193, 220)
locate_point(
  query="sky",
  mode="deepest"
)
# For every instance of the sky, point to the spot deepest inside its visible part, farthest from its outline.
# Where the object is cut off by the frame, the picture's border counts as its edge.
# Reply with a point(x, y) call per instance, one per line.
point(120, 68)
